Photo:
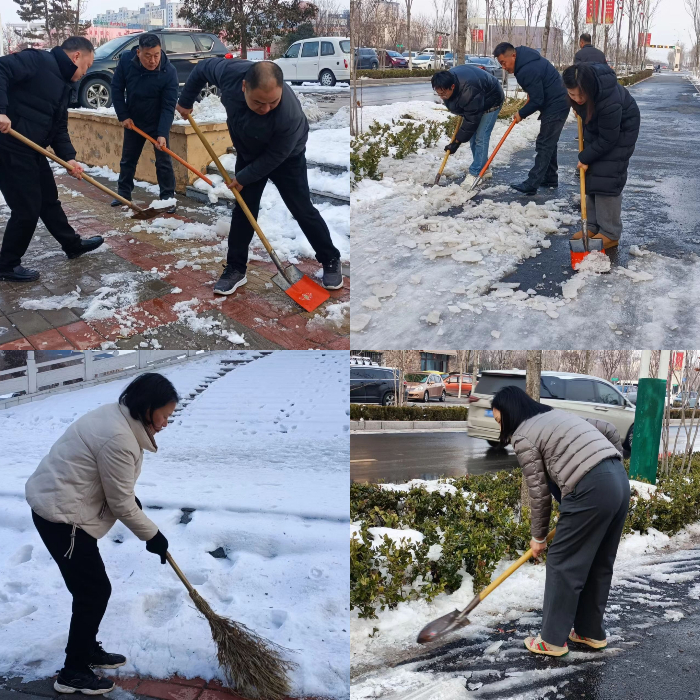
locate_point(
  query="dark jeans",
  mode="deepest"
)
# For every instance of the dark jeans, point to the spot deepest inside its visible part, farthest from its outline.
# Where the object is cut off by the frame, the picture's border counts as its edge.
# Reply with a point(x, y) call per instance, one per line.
point(28, 186)
point(86, 579)
point(581, 557)
point(131, 152)
point(544, 171)
point(292, 182)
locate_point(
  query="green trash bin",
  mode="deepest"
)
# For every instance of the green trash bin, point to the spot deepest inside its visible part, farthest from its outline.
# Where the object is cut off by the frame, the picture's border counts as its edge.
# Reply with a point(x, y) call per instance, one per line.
point(649, 416)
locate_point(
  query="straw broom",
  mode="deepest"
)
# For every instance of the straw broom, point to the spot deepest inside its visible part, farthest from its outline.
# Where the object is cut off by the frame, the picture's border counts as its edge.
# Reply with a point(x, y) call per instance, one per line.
point(253, 665)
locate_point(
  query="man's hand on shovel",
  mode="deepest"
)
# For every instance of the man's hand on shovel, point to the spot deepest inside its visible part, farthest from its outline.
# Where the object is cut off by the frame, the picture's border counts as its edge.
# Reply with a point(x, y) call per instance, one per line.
point(452, 147)
point(234, 184)
point(183, 111)
point(581, 166)
point(128, 123)
point(5, 124)
point(77, 171)
point(517, 118)
point(537, 548)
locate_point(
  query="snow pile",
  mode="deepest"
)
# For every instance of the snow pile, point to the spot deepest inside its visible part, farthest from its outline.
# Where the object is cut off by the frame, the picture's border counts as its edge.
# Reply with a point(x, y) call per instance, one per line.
point(207, 111)
point(187, 314)
point(336, 316)
point(340, 120)
point(645, 490)
point(399, 537)
point(311, 109)
point(162, 203)
point(329, 146)
point(263, 464)
point(595, 263)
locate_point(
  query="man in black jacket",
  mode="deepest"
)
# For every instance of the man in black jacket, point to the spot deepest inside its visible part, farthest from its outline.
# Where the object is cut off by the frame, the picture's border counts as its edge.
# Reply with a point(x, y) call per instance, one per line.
point(34, 90)
point(269, 131)
point(588, 53)
point(151, 84)
point(477, 97)
point(547, 94)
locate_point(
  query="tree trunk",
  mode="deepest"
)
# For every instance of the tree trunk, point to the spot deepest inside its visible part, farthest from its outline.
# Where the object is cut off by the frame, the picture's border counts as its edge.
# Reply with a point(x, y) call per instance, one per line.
point(547, 22)
point(533, 375)
point(461, 31)
point(408, 40)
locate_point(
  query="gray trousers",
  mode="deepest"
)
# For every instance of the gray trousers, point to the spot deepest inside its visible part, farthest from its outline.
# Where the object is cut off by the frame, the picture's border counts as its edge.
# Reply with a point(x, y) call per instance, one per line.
point(604, 215)
point(582, 554)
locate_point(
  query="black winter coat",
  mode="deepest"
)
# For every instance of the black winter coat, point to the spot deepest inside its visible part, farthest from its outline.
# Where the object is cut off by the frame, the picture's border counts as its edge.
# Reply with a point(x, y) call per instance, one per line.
point(265, 141)
point(151, 95)
point(543, 84)
point(34, 90)
point(609, 138)
point(589, 54)
point(475, 93)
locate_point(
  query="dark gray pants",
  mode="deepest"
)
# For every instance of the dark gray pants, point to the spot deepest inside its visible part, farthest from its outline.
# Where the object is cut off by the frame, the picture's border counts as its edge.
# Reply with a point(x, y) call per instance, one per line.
point(604, 215)
point(581, 557)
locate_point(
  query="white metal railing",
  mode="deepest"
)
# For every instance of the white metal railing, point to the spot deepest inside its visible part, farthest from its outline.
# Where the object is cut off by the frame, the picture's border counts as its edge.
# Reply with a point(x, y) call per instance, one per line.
point(43, 378)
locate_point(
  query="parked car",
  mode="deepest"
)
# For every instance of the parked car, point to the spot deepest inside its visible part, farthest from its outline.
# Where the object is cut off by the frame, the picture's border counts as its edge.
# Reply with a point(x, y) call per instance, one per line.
point(452, 383)
point(489, 64)
point(428, 61)
point(685, 398)
point(185, 48)
point(424, 386)
point(373, 385)
point(449, 59)
point(393, 59)
point(629, 391)
point(323, 59)
point(366, 58)
point(413, 54)
point(584, 395)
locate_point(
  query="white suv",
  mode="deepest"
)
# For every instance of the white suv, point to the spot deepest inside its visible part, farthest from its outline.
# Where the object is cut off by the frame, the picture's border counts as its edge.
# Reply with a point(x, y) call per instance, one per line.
point(582, 394)
point(323, 59)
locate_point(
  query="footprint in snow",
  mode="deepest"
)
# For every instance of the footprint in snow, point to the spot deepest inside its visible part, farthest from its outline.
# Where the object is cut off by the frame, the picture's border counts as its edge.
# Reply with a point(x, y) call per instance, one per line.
point(22, 555)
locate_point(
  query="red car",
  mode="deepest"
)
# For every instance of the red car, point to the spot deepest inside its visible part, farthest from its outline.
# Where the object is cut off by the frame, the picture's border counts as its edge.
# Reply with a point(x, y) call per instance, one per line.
point(452, 382)
point(393, 59)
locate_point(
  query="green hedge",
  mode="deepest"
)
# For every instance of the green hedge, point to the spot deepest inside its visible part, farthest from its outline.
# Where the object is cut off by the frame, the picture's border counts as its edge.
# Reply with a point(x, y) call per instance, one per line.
point(635, 77)
point(676, 413)
point(397, 73)
point(476, 526)
point(360, 411)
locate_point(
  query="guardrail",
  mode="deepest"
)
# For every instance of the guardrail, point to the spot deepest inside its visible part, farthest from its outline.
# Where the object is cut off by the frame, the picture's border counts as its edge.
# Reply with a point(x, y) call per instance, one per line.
point(37, 380)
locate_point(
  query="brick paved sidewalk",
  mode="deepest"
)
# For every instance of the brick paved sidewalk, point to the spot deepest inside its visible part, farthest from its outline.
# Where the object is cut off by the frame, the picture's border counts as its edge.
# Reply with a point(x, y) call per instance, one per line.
point(260, 311)
point(174, 688)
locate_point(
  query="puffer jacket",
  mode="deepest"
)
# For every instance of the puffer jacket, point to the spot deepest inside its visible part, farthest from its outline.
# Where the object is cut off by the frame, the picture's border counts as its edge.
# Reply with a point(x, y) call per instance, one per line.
point(87, 479)
point(610, 136)
point(561, 447)
point(589, 54)
point(542, 83)
point(476, 92)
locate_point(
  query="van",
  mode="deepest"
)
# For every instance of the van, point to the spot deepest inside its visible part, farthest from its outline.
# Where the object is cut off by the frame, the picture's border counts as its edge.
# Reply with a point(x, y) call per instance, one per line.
point(374, 385)
point(321, 59)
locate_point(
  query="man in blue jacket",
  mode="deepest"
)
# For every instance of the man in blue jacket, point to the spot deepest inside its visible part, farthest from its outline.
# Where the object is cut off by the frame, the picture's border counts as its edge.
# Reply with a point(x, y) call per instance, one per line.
point(547, 94)
point(34, 90)
point(150, 82)
point(477, 97)
point(269, 131)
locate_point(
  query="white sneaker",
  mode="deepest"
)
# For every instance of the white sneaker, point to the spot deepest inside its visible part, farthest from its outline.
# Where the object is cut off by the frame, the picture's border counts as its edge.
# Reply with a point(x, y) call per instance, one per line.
point(469, 180)
point(487, 175)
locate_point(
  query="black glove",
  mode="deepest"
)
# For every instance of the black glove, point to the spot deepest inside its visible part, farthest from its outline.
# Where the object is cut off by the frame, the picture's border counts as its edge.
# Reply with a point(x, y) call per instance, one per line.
point(158, 545)
point(452, 147)
point(138, 503)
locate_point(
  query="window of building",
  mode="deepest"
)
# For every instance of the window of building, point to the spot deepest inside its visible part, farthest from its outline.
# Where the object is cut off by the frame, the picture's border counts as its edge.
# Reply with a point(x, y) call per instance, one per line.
point(434, 361)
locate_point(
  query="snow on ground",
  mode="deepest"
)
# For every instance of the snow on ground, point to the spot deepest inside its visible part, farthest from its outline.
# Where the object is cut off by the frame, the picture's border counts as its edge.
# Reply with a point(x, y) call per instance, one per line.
point(263, 461)
point(444, 271)
point(330, 146)
point(378, 644)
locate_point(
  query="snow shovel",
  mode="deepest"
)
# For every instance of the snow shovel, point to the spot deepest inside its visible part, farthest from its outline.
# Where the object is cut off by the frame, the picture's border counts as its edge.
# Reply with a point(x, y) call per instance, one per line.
point(581, 247)
point(291, 280)
point(252, 665)
point(139, 213)
point(437, 629)
point(447, 153)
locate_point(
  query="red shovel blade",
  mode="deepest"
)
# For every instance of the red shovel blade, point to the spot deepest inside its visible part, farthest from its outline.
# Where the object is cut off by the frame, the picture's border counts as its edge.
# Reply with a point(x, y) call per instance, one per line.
point(308, 294)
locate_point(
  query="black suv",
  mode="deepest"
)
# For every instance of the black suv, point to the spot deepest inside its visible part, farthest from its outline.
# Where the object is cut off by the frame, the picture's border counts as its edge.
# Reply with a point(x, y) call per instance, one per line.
point(366, 58)
point(185, 48)
point(373, 385)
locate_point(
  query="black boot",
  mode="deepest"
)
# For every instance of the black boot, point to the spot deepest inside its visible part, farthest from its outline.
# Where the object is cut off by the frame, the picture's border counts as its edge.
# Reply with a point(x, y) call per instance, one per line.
point(118, 203)
point(79, 681)
point(332, 274)
point(102, 659)
point(230, 281)
point(18, 274)
point(524, 187)
point(85, 246)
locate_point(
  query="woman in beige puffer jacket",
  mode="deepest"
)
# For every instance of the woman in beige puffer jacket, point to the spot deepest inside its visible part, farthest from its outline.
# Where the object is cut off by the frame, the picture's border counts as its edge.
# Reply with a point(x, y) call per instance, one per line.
point(579, 462)
point(79, 490)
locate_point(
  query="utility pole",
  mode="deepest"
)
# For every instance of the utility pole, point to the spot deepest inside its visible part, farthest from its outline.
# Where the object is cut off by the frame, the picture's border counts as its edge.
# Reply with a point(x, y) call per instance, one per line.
point(533, 377)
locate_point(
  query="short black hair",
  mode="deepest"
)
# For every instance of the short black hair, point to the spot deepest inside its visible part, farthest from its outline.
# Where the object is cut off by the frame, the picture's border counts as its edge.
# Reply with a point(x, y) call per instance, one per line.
point(585, 37)
point(147, 393)
point(263, 72)
point(78, 43)
point(515, 407)
point(442, 79)
point(148, 41)
point(503, 47)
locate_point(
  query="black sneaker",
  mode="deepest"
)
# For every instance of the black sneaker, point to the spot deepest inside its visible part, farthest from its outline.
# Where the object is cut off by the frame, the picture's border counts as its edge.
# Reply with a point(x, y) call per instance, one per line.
point(332, 274)
point(171, 210)
point(86, 245)
point(524, 187)
point(103, 659)
point(19, 274)
point(118, 203)
point(85, 682)
point(230, 281)
point(553, 185)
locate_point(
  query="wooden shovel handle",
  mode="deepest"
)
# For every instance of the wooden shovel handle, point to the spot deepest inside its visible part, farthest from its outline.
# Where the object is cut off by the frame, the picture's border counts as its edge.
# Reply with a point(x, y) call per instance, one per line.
point(69, 168)
point(447, 153)
point(511, 569)
point(582, 175)
point(179, 573)
point(500, 143)
point(227, 179)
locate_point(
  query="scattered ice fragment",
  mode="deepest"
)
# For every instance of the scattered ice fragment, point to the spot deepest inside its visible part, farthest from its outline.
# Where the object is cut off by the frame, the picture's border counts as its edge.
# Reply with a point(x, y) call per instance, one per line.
point(637, 251)
point(372, 303)
point(358, 322)
point(384, 290)
point(552, 313)
point(433, 317)
point(415, 279)
point(496, 334)
point(467, 256)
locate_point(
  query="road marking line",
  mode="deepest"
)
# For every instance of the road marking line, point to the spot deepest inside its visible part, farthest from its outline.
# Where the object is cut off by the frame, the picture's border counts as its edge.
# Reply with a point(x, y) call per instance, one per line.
point(362, 460)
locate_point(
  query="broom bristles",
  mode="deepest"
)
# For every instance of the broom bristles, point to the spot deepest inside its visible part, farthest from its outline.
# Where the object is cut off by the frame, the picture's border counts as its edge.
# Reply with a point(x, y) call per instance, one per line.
point(253, 665)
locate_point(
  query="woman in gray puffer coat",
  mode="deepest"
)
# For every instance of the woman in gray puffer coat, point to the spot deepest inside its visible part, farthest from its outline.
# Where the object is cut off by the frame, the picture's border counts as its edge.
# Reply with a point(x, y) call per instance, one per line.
point(579, 462)
point(79, 490)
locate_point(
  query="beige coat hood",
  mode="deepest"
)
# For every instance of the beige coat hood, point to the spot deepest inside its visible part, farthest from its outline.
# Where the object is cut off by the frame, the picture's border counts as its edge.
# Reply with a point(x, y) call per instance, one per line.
point(87, 479)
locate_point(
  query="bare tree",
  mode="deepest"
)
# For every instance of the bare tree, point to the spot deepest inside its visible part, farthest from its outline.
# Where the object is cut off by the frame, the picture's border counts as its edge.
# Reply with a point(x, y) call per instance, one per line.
point(547, 23)
point(532, 9)
point(409, 4)
point(533, 378)
point(692, 7)
point(462, 29)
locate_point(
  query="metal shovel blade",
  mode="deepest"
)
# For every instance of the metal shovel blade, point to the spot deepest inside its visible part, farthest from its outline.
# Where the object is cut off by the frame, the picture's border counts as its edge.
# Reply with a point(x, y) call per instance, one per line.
point(143, 214)
point(579, 252)
point(301, 288)
point(441, 627)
